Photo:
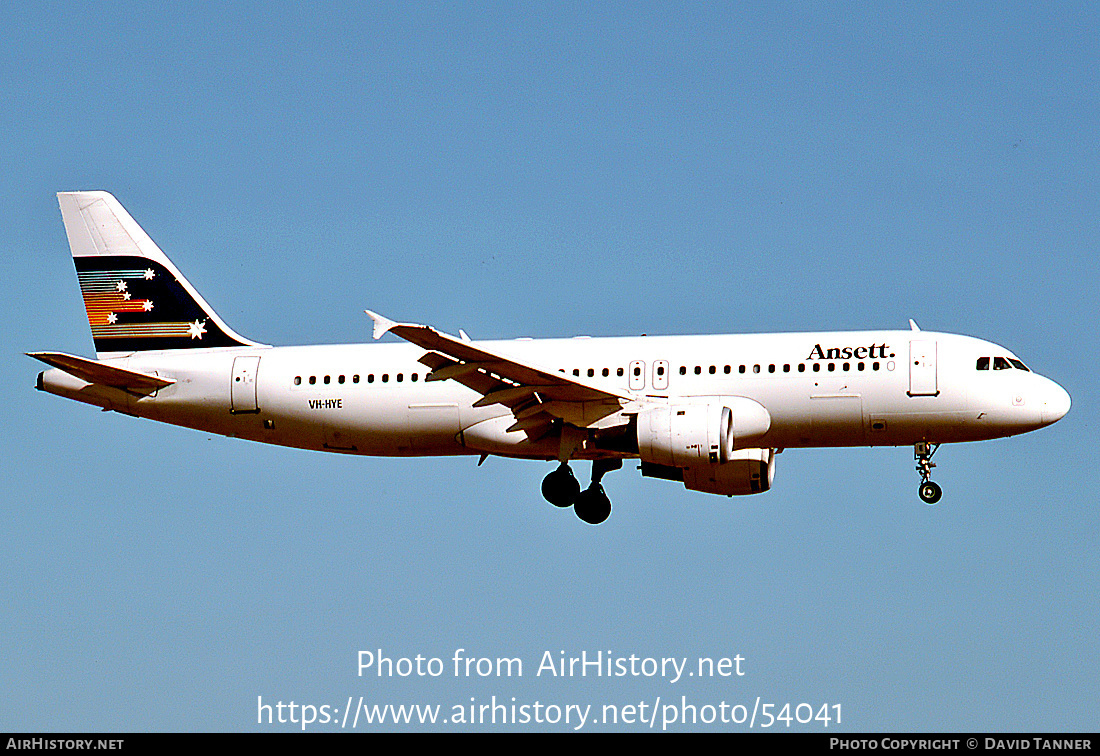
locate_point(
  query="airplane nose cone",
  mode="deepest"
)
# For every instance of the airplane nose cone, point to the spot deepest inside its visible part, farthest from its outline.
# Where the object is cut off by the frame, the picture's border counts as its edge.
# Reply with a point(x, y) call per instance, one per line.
point(1056, 403)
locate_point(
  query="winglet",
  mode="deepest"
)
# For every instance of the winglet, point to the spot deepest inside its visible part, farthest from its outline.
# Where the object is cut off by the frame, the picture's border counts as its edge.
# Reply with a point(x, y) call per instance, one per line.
point(913, 325)
point(381, 324)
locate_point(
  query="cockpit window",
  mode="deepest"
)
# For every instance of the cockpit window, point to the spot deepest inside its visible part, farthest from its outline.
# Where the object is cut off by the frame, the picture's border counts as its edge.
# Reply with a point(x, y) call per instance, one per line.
point(1001, 363)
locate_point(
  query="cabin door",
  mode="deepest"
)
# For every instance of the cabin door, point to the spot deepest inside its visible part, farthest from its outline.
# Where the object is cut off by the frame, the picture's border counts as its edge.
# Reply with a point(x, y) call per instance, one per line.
point(242, 389)
point(922, 368)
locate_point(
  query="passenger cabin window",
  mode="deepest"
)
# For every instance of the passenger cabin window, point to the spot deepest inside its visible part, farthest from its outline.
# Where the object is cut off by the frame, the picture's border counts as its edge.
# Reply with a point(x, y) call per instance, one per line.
point(982, 363)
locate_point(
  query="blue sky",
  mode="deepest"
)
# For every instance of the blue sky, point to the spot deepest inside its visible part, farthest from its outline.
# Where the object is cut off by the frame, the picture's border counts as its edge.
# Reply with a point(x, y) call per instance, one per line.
point(549, 170)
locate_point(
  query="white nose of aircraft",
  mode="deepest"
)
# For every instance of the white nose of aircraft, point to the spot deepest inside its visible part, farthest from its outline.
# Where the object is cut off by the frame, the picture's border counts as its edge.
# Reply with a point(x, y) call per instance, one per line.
point(1055, 403)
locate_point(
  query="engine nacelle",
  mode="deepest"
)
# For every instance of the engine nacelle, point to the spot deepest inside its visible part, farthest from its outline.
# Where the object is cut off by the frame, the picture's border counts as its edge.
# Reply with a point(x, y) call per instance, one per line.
point(748, 471)
point(700, 430)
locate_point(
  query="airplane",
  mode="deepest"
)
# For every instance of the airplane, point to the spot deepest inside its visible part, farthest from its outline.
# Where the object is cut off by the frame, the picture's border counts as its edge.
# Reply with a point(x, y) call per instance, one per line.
point(708, 411)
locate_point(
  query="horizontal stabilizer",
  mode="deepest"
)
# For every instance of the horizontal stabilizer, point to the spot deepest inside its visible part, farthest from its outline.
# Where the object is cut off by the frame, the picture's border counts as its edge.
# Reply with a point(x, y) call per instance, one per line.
point(94, 371)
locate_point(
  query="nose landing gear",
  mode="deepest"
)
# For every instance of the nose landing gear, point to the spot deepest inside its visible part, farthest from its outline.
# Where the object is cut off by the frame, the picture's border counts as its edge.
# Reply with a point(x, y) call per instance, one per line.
point(928, 491)
point(592, 505)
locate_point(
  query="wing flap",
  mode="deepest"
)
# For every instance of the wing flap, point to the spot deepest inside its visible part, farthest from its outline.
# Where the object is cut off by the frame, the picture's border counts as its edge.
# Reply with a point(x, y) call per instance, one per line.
point(94, 371)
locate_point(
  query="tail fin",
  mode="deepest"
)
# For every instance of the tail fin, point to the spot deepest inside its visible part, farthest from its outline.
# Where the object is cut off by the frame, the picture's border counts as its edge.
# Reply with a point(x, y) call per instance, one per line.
point(135, 297)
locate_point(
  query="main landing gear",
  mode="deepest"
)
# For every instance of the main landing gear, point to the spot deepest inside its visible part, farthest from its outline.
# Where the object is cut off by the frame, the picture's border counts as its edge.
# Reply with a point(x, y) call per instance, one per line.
point(562, 489)
point(929, 492)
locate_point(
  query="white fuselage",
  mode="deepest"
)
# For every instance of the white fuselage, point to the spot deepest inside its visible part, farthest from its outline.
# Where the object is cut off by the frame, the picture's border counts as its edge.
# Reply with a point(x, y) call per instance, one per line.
point(866, 388)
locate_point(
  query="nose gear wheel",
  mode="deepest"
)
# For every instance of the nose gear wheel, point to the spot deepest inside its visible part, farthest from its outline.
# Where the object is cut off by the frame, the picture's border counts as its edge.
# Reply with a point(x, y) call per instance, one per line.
point(930, 492)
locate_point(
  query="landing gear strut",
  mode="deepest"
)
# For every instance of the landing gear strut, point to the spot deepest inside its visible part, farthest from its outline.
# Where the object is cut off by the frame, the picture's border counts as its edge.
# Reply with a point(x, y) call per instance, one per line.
point(592, 505)
point(929, 492)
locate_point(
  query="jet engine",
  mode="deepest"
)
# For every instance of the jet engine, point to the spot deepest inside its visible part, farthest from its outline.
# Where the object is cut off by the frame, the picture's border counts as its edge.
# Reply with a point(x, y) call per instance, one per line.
point(699, 431)
point(747, 471)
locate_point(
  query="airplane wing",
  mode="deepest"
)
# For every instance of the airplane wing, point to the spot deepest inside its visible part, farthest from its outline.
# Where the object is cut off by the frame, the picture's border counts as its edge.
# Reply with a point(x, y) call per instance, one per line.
point(94, 371)
point(534, 393)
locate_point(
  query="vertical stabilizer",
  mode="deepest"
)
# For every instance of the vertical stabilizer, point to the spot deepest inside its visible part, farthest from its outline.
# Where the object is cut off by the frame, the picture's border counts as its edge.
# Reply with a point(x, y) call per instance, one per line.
point(136, 299)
